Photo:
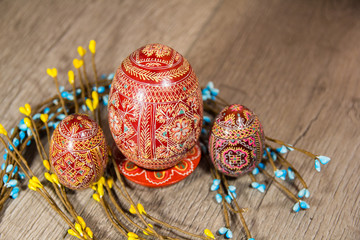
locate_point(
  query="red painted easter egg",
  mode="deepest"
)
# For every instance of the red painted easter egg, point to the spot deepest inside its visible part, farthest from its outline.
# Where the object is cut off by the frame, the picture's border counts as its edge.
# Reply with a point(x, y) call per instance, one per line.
point(78, 151)
point(237, 141)
point(155, 107)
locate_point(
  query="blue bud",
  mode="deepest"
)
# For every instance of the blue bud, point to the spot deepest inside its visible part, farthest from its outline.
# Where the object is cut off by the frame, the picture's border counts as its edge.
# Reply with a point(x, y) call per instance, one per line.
point(64, 94)
point(78, 91)
point(304, 205)
point(101, 89)
point(228, 199)
point(61, 88)
point(22, 135)
point(106, 100)
point(261, 188)
point(232, 188)
point(46, 110)
point(207, 119)
point(323, 159)
point(218, 198)
point(16, 142)
point(223, 230)
point(262, 165)
point(14, 196)
point(5, 156)
point(22, 175)
point(15, 171)
point(14, 190)
point(296, 207)
point(255, 185)
point(28, 143)
point(84, 108)
point(51, 116)
point(216, 181)
point(3, 166)
point(111, 76)
point(229, 234)
point(255, 171)
point(214, 187)
point(301, 193)
point(12, 183)
point(317, 165)
point(291, 174)
point(9, 168)
point(36, 116)
point(70, 97)
point(61, 116)
point(103, 76)
point(5, 178)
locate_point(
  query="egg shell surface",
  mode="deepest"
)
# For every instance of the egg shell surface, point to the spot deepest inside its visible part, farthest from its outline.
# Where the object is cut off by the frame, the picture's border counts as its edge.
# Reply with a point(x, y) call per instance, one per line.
point(78, 151)
point(236, 141)
point(155, 107)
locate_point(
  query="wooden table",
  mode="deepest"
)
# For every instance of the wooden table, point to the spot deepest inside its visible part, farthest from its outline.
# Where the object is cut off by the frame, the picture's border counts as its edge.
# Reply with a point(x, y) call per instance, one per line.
point(295, 63)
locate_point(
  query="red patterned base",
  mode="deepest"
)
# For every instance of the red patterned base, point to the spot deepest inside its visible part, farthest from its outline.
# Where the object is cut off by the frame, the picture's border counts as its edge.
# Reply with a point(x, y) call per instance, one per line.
point(158, 178)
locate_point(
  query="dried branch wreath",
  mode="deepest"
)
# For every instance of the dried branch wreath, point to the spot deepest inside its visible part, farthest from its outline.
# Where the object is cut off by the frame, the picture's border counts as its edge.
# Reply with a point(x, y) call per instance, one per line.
point(39, 122)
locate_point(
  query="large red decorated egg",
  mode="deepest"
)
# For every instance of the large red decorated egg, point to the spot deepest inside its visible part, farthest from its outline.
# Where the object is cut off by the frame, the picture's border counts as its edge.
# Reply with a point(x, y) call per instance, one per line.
point(78, 151)
point(237, 141)
point(155, 107)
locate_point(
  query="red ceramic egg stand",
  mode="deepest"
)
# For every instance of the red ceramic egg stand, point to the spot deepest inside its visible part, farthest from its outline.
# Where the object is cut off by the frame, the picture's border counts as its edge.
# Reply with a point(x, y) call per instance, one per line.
point(158, 178)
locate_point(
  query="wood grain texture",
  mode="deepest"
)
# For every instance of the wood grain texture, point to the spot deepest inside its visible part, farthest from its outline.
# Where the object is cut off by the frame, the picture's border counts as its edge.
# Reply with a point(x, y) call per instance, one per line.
point(295, 63)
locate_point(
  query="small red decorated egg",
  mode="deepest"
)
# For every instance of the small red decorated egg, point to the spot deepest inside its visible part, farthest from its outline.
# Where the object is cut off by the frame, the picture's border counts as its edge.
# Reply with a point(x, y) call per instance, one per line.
point(237, 141)
point(78, 151)
point(155, 107)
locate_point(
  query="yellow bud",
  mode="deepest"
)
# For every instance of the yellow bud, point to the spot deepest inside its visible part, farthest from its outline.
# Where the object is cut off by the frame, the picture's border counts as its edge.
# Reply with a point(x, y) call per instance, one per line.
point(36, 185)
point(100, 189)
point(89, 104)
point(133, 235)
point(48, 177)
point(89, 232)
point(78, 228)
point(102, 180)
point(32, 187)
point(35, 181)
point(81, 221)
point(95, 97)
point(141, 208)
point(81, 51)
point(28, 108)
point(96, 197)
point(148, 230)
point(46, 164)
point(44, 117)
point(93, 186)
point(25, 110)
point(2, 130)
point(27, 122)
point(55, 179)
point(52, 72)
point(132, 209)
point(77, 63)
point(92, 46)
point(110, 182)
point(71, 77)
point(209, 234)
point(73, 233)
